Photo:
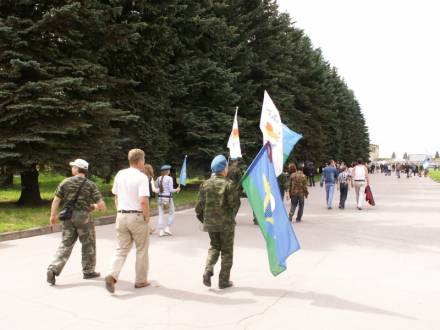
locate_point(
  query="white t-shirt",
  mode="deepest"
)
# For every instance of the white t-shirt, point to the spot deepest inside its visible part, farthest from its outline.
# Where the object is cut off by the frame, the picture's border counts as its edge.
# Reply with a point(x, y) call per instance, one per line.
point(359, 173)
point(129, 185)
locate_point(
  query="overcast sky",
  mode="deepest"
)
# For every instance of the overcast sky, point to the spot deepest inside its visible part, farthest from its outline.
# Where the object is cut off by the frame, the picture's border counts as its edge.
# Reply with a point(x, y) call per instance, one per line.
point(388, 52)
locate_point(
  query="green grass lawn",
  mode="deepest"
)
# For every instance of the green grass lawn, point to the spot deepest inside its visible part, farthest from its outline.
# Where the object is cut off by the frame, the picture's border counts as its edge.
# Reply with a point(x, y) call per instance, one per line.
point(435, 175)
point(14, 217)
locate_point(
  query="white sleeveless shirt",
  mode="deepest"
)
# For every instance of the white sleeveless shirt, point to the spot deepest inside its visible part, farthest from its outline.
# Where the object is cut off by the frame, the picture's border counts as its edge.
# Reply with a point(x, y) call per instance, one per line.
point(360, 173)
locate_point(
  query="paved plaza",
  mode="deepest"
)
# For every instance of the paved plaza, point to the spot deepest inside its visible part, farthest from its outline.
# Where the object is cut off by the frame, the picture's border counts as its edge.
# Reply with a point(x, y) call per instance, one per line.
point(374, 269)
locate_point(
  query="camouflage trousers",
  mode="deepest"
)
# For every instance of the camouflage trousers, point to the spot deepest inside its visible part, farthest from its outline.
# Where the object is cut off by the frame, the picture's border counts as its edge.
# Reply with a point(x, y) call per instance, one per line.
point(82, 227)
point(221, 243)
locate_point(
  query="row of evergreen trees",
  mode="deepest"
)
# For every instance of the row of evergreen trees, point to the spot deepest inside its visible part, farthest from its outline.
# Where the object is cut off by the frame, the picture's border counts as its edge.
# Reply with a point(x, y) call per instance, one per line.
point(94, 78)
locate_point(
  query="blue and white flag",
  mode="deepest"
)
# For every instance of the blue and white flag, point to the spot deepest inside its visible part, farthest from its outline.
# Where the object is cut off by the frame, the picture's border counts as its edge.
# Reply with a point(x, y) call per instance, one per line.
point(182, 177)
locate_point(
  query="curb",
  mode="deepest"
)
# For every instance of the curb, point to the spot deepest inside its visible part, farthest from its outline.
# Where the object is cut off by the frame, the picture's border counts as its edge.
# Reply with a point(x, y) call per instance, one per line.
point(101, 221)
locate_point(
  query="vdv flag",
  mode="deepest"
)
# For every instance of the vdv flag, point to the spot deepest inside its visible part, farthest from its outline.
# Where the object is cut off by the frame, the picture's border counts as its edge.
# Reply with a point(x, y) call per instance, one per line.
point(234, 140)
point(272, 128)
point(182, 177)
point(260, 184)
point(290, 138)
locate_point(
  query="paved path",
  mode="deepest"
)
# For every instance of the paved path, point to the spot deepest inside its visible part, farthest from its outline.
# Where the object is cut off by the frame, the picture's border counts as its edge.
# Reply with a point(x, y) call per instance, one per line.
point(375, 269)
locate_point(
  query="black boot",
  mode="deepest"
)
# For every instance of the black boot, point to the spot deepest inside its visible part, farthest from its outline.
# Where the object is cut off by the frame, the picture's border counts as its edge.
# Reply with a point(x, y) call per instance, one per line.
point(207, 278)
point(225, 285)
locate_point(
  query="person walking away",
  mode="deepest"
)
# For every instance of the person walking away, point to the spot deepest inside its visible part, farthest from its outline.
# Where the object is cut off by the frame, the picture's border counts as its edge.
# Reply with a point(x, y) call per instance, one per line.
point(297, 192)
point(131, 191)
point(217, 205)
point(398, 170)
point(329, 177)
point(83, 197)
point(360, 177)
point(165, 184)
point(344, 180)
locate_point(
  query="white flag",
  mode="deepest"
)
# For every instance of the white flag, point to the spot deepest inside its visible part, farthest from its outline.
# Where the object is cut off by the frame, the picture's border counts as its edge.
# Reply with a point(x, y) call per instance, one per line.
point(234, 140)
point(272, 128)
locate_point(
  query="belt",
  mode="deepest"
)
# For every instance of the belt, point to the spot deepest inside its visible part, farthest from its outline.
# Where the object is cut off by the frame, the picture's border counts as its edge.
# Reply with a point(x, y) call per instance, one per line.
point(359, 180)
point(129, 211)
point(165, 196)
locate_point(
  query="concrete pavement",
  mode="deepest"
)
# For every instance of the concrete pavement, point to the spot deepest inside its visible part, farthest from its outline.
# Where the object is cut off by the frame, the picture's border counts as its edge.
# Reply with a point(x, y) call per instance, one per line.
point(373, 269)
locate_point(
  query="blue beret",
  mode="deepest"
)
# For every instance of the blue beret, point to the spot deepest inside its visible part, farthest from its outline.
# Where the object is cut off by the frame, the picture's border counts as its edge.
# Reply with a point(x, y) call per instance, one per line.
point(165, 167)
point(219, 163)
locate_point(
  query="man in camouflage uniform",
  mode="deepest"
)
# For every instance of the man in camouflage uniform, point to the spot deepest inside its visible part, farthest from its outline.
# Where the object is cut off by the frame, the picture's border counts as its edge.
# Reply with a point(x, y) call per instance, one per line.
point(217, 205)
point(80, 225)
point(297, 192)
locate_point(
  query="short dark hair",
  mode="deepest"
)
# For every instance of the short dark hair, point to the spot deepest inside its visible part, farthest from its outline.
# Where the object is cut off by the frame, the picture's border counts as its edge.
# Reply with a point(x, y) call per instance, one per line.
point(292, 168)
point(360, 161)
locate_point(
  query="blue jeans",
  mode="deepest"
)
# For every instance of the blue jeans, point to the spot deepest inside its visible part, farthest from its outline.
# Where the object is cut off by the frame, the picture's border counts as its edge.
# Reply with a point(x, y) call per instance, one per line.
point(329, 192)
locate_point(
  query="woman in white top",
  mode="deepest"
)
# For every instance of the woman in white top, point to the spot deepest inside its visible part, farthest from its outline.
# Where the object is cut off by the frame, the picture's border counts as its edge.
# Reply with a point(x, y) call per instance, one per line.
point(359, 179)
point(165, 191)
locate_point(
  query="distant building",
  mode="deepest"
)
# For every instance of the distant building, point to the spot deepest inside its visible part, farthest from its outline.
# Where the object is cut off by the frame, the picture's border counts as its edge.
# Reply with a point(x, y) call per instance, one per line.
point(418, 158)
point(374, 152)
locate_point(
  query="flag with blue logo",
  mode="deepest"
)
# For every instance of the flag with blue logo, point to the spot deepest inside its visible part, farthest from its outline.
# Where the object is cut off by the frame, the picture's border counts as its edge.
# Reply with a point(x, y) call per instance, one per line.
point(290, 138)
point(182, 177)
point(260, 184)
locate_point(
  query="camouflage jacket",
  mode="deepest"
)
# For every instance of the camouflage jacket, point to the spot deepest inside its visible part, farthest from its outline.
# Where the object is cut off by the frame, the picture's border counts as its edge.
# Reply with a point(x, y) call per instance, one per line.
point(88, 195)
point(217, 204)
point(234, 174)
point(298, 185)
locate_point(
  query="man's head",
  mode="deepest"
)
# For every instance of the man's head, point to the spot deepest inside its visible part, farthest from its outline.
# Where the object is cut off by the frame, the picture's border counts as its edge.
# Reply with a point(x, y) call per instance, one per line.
point(360, 161)
point(219, 165)
point(136, 158)
point(292, 168)
point(331, 162)
point(79, 166)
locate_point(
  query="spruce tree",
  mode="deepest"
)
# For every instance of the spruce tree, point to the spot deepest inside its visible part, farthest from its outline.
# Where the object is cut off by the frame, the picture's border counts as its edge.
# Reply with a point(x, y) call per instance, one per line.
point(53, 101)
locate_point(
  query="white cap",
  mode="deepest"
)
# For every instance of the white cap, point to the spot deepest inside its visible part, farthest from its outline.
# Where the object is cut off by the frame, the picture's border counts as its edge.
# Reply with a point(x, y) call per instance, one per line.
point(80, 163)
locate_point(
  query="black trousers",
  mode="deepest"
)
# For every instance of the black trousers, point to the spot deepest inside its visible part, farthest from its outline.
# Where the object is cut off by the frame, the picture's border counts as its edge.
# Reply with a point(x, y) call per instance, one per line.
point(343, 196)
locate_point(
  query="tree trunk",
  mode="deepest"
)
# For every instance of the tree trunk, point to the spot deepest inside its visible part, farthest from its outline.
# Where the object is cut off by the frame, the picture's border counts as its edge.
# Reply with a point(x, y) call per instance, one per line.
point(6, 181)
point(30, 189)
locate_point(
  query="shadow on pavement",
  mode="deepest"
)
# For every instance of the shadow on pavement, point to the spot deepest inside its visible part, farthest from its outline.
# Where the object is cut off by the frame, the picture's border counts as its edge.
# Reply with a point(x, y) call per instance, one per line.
point(317, 299)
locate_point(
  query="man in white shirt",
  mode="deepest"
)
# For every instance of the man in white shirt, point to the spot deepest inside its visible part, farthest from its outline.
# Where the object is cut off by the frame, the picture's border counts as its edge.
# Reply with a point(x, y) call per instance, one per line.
point(131, 192)
point(359, 179)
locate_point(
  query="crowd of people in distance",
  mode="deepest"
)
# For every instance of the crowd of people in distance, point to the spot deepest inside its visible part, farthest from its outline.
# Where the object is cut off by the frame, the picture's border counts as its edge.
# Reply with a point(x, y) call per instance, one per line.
point(408, 169)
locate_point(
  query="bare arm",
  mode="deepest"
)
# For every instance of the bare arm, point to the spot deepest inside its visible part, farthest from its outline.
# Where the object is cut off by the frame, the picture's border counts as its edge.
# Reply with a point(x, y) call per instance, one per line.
point(54, 211)
point(100, 205)
point(367, 176)
point(145, 204)
point(116, 202)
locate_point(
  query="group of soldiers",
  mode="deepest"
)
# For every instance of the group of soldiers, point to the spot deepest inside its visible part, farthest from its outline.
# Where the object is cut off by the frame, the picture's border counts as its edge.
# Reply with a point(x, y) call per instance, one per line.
point(216, 208)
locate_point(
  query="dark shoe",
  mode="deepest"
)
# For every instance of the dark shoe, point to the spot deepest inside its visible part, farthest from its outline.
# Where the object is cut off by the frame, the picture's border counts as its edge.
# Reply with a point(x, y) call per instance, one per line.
point(50, 277)
point(141, 285)
point(110, 283)
point(298, 220)
point(255, 222)
point(290, 217)
point(91, 275)
point(207, 278)
point(225, 285)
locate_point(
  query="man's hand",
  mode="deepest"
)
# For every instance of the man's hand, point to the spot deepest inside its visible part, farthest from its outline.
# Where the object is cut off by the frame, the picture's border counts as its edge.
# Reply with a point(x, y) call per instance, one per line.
point(53, 220)
point(146, 220)
point(178, 189)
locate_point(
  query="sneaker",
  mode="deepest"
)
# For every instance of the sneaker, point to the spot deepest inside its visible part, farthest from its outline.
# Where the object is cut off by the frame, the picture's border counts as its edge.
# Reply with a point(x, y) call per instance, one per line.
point(161, 233)
point(50, 277)
point(168, 231)
point(141, 285)
point(91, 275)
point(110, 283)
point(298, 220)
point(225, 285)
point(207, 278)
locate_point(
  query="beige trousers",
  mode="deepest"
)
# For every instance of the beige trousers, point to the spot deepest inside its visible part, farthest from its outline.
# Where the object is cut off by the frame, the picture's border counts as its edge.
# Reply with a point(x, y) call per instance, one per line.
point(132, 228)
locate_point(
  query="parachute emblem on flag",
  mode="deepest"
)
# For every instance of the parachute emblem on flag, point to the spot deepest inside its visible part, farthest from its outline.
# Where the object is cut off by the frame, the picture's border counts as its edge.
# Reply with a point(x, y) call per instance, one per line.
point(269, 201)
